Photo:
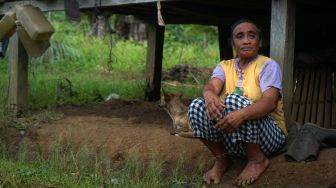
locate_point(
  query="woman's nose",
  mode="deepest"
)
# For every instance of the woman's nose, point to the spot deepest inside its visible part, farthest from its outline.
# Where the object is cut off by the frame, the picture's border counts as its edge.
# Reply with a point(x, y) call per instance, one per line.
point(246, 40)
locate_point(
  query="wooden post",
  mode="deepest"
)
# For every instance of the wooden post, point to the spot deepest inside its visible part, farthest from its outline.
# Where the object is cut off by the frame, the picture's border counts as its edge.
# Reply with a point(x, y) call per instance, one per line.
point(282, 46)
point(154, 61)
point(225, 50)
point(18, 76)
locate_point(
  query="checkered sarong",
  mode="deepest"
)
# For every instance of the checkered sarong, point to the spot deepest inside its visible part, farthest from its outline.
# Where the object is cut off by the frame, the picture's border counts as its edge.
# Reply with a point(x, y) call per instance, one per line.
point(264, 131)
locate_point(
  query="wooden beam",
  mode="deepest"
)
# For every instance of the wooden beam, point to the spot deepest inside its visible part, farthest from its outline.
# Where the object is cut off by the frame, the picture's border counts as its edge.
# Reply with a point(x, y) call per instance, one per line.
point(282, 46)
point(155, 41)
point(18, 76)
point(43, 5)
point(321, 99)
point(315, 101)
point(173, 11)
point(107, 3)
point(333, 111)
point(225, 50)
point(328, 101)
point(83, 4)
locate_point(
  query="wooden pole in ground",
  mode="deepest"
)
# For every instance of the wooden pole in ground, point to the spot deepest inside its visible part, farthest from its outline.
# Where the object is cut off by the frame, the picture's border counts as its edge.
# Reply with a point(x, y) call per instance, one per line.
point(282, 46)
point(154, 61)
point(18, 76)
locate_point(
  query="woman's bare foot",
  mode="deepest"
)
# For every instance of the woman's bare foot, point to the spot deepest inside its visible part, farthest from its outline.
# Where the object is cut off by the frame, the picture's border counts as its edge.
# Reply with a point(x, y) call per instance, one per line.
point(215, 174)
point(251, 172)
point(222, 160)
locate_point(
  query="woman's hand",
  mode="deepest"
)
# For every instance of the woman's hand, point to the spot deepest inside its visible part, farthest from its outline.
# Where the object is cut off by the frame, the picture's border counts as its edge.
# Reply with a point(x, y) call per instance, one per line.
point(257, 110)
point(213, 105)
point(231, 121)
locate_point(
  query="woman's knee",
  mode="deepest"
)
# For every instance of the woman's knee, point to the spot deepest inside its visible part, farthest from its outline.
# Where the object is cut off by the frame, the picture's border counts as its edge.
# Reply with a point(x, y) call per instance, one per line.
point(235, 102)
point(196, 112)
point(197, 104)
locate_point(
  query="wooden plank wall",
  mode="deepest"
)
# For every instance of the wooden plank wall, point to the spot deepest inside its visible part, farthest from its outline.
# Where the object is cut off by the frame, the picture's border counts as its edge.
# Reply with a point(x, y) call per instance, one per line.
point(314, 97)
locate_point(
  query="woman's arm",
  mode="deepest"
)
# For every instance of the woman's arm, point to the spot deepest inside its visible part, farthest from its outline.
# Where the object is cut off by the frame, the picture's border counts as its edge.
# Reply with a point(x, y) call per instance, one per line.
point(262, 107)
point(213, 105)
point(259, 109)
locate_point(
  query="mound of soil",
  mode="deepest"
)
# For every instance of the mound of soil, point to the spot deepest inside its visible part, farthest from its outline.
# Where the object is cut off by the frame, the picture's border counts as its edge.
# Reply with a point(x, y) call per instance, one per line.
point(185, 72)
point(124, 128)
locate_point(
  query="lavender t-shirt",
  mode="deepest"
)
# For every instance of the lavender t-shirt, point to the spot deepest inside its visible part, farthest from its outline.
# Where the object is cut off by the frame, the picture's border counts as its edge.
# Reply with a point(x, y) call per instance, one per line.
point(270, 75)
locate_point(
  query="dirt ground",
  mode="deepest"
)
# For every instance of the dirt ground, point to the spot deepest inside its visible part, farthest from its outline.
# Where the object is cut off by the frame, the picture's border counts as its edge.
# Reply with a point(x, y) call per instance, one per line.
point(124, 128)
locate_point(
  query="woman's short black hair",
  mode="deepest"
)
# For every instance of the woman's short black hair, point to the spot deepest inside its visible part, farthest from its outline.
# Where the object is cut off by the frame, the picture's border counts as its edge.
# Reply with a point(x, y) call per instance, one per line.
point(244, 20)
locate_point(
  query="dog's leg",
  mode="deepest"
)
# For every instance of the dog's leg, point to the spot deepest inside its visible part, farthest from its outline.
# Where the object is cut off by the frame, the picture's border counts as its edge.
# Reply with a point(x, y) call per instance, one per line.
point(185, 134)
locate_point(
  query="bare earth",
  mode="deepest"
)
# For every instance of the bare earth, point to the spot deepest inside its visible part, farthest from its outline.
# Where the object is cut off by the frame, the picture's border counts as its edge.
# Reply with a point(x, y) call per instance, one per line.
point(124, 128)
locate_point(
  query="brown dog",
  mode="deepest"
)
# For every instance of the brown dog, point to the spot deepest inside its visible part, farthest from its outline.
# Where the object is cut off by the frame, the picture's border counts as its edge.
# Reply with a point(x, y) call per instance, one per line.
point(178, 112)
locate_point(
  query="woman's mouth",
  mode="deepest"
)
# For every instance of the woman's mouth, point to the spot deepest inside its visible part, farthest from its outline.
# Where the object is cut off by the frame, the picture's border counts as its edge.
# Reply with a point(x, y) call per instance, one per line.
point(246, 49)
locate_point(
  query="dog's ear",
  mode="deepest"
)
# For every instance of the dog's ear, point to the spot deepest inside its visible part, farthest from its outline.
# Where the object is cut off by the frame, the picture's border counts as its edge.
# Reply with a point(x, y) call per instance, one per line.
point(166, 95)
point(163, 91)
point(162, 102)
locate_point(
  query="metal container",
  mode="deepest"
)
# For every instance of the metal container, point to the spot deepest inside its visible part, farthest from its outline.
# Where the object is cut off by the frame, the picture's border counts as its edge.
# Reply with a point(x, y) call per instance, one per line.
point(34, 22)
point(7, 25)
point(34, 48)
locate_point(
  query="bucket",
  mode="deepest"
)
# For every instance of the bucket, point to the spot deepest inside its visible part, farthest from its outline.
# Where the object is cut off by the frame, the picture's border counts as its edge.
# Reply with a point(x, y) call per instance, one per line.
point(7, 25)
point(34, 22)
point(34, 48)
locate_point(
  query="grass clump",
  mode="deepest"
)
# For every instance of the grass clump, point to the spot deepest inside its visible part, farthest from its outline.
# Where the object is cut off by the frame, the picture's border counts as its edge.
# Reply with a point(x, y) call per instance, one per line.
point(67, 166)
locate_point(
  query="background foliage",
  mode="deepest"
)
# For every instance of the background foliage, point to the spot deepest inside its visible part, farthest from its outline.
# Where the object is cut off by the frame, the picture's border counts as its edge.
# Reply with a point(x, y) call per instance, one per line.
point(75, 58)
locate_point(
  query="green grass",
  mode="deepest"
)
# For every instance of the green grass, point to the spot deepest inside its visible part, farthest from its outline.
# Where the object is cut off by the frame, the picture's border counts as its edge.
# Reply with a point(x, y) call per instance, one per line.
point(66, 166)
point(190, 53)
point(84, 88)
point(3, 87)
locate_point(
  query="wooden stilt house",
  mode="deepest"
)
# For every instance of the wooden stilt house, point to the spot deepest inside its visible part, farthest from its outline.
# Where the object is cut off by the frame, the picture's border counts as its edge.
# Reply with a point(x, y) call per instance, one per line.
point(309, 92)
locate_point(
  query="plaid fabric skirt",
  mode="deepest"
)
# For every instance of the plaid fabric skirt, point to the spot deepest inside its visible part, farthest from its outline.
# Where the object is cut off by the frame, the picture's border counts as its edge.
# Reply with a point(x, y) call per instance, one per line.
point(264, 131)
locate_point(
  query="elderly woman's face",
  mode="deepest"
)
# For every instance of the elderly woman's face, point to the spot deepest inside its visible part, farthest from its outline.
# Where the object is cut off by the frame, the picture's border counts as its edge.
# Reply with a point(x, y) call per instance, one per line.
point(246, 40)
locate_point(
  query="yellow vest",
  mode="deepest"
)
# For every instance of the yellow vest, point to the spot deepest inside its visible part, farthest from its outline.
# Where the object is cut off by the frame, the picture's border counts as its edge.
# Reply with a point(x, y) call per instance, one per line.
point(250, 85)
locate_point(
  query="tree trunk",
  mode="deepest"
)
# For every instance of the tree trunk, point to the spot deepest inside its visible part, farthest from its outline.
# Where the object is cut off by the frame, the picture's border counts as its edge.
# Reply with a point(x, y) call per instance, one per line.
point(93, 24)
point(101, 26)
point(205, 40)
point(138, 30)
point(122, 27)
point(49, 16)
point(130, 27)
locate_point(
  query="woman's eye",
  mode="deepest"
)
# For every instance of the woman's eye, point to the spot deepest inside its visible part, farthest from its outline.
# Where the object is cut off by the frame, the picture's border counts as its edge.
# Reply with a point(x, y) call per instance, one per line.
point(239, 36)
point(252, 36)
